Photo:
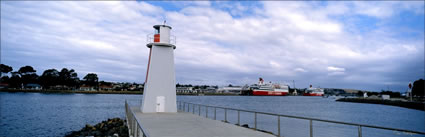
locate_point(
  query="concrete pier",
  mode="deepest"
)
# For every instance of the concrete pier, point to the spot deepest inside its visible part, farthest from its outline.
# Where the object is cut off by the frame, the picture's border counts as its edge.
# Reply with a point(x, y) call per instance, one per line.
point(183, 124)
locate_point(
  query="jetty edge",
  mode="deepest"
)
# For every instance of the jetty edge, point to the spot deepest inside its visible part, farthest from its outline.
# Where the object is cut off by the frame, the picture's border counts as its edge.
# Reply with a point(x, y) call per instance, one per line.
point(399, 103)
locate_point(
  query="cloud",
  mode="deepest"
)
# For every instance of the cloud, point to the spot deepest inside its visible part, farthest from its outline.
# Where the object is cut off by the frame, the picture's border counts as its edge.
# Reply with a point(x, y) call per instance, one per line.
point(386, 9)
point(217, 42)
point(335, 69)
point(300, 70)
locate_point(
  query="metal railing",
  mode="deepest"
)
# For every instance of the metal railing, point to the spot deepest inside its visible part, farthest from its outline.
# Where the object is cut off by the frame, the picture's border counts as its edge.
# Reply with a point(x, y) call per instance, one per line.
point(187, 107)
point(134, 127)
point(150, 39)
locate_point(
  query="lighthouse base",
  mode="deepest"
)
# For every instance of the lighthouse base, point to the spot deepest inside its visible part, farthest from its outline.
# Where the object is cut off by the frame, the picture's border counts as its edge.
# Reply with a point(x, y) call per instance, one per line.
point(159, 93)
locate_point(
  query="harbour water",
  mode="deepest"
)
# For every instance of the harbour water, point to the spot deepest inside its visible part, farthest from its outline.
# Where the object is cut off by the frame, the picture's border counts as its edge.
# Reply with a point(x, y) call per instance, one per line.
point(37, 114)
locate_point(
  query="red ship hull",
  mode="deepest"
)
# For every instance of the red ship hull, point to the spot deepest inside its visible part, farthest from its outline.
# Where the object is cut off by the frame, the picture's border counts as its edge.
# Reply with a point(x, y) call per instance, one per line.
point(312, 94)
point(268, 93)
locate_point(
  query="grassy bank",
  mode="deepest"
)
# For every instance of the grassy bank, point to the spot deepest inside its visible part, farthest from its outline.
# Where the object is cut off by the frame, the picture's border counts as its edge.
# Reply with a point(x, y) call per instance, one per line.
point(405, 104)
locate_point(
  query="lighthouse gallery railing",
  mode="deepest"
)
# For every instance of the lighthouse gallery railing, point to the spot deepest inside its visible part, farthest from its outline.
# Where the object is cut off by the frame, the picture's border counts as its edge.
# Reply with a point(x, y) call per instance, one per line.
point(188, 107)
point(150, 39)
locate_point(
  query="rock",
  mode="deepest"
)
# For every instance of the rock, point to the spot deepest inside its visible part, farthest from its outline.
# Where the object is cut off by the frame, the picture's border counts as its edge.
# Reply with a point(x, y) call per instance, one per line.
point(101, 125)
point(88, 126)
point(111, 127)
point(245, 125)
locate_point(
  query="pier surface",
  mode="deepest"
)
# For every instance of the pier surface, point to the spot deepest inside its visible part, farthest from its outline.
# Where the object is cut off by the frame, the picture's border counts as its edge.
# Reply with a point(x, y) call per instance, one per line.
point(184, 124)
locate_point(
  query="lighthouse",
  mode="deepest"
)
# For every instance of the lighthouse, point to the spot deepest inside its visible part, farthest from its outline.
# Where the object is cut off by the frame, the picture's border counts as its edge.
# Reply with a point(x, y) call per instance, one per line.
point(159, 93)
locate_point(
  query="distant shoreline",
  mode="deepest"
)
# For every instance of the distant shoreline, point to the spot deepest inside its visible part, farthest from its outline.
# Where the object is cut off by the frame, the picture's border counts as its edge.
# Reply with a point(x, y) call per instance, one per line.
point(405, 104)
point(70, 91)
point(104, 92)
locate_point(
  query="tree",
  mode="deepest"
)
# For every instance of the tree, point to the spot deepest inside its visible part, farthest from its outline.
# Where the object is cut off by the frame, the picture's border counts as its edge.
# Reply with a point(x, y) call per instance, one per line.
point(15, 80)
point(91, 79)
point(418, 88)
point(74, 79)
point(49, 78)
point(391, 93)
point(4, 69)
point(28, 75)
point(26, 70)
point(68, 78)
point(4, 79)
point(64, 76)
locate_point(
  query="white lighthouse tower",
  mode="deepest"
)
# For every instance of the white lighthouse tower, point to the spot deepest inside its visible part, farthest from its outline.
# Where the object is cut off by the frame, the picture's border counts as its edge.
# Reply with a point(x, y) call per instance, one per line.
point(159, 93)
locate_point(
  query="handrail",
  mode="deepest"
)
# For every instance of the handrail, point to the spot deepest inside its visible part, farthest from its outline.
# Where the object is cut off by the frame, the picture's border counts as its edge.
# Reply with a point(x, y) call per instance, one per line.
point(360, 126)
point(131, 124)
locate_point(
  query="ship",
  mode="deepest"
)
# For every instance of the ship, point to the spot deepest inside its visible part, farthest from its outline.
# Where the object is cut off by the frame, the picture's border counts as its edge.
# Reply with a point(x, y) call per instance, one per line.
point(314, 92)
point(266, 89)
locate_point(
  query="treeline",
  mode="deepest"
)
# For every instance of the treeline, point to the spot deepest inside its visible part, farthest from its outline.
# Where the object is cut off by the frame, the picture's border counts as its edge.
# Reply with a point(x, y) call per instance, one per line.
point(418, 90)
point(196, 86)
point(392, 94)
point(50, 79)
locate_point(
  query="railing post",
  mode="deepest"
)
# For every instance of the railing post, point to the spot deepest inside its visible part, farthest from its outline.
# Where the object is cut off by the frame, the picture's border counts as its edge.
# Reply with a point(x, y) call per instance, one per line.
point(137, 130)
point(255, 120)
point(206, 111)
point(311, 128)
point(225, 115)
point(135, 126)
point(131, 124)
point(193, 108)
point(215, 113)
point(180, 105)
point(278, 125)
point(184, 106)
point(360, 131)
point(199, 109)
point(239, 119)
point(134, 131)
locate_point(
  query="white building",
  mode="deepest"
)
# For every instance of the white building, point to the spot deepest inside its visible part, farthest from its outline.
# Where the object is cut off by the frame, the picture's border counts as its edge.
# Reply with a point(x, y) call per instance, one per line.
point(235, 90)
point(185, 90)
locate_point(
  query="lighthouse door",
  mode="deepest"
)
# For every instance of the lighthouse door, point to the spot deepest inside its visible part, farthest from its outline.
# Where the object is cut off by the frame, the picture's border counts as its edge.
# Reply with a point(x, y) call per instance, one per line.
point(160, 103)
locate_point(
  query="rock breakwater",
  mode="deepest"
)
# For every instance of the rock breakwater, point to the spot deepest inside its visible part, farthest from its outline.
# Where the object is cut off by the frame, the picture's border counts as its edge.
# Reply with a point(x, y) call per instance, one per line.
point(114, 127)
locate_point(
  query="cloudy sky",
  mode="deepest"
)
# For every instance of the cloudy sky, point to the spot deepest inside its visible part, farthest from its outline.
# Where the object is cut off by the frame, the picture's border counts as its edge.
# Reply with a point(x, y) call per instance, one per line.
point(356, 44)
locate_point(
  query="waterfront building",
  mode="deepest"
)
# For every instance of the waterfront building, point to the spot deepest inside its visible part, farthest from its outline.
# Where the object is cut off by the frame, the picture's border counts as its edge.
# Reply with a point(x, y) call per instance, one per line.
point(85, 87)
point(234, 90)
point(33, 86)
point(4, 85)
point(184, 90)
point(106, 87)
point(207, 90)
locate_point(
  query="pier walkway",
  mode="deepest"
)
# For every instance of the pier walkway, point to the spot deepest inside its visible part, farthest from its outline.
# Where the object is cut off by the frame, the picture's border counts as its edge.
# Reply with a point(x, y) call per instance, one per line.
point(188, 124)
point(183, 124)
